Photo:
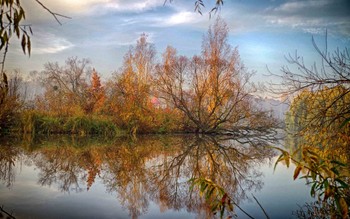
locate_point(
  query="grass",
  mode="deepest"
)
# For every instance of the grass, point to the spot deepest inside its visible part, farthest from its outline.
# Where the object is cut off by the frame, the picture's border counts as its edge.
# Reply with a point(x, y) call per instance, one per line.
point(32, 122)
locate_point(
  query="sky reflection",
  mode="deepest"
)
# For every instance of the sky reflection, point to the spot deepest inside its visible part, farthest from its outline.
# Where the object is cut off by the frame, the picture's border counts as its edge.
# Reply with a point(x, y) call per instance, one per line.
point(146, 178)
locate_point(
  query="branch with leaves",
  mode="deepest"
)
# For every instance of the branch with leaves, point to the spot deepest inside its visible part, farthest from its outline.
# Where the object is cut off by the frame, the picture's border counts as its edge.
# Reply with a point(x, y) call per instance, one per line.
point(199, 5)
point(12, 14)
point(328, 178)
point(218, 199)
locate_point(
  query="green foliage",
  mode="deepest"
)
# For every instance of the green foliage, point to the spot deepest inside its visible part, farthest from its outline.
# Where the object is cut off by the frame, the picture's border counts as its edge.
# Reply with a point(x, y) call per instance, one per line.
point(218, 199)
point(35, 123)
point(87, 125)
point(215, 196)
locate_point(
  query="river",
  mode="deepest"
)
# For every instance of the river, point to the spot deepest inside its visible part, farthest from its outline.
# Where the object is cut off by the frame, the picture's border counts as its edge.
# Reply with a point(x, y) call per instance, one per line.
point(147, 177)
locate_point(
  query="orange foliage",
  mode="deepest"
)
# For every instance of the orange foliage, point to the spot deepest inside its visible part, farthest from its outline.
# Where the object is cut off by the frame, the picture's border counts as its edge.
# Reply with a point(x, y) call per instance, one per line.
point(95, 95)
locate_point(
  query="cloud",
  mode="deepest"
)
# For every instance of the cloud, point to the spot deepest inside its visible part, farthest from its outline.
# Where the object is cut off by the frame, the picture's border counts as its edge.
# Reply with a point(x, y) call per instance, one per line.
point(180, 18)
point(48, 43)
point(116, 39)
point(83, 8)
point(296, 6)
point(136, 5)
point(311, 16)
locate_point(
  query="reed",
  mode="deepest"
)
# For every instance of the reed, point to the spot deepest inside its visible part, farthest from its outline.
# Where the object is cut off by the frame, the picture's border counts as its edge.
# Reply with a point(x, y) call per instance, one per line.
point(32, 122)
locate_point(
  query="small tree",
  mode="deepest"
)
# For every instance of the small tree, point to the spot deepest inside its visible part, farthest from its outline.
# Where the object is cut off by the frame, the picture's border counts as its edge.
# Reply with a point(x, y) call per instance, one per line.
point(133, 86)
point(95, 95)
point(212, 90)
point(66, 86)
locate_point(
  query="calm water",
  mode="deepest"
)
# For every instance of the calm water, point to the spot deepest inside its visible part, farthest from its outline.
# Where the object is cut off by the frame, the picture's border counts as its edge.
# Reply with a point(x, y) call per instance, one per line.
point(65, 177)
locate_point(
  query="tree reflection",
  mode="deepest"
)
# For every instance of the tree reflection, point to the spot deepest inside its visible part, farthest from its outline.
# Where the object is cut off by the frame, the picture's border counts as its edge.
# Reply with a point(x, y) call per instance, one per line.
point(8, 157)
point(59, 165)
point(147, 169)
point(126, 174)
point(227, 163)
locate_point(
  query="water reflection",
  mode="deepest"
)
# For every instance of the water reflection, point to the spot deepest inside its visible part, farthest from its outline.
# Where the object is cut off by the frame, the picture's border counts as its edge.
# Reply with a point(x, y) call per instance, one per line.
point(8, 156)
point(141, 170)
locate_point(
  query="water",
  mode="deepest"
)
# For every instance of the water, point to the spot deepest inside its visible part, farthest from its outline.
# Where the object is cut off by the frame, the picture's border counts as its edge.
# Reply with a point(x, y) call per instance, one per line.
point(69, 177)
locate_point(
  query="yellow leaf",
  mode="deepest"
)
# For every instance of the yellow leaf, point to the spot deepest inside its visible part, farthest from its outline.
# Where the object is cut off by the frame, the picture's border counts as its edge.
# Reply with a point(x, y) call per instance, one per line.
point(297, 171)
point(286, 159)
point(327, 193)
point(343, 207)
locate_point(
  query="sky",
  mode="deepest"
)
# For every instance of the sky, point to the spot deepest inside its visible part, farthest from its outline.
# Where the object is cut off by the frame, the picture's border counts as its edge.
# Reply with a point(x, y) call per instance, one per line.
point(265, 31)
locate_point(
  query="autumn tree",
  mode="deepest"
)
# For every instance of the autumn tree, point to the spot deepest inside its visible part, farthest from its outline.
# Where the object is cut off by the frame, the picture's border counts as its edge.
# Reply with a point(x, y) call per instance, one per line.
point(328, 137)
point(66, 86)
point(334, 71)
point(95, 95)
point(11, 101)
point(212, 90)
point(318, 122)
point(320, 96)
point(133, 86)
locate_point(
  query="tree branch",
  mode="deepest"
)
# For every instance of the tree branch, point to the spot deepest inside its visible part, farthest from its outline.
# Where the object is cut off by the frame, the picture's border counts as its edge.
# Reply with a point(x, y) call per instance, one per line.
point(54, 14)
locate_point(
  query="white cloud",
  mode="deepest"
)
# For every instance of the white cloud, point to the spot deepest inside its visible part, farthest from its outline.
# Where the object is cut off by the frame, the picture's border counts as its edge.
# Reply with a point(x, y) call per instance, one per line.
point(178, 18)
point(136, 5)
point(183, 17)
point(116, 39)
point(48, 43)
point(315, 30)
point(311, 16)
point(295, 6)
point(76, 8)
point(80, 4)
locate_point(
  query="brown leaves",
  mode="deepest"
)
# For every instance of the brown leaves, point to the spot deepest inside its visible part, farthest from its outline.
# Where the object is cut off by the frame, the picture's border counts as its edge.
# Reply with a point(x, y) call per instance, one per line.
point(343, 208)
point(95, 95)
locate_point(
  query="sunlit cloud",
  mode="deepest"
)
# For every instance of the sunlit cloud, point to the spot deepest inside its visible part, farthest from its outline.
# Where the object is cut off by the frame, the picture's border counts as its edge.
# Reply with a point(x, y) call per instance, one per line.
point(137, 5)
point(78, 8)
point(180, 18)
point(183, 17)
point(81, 4)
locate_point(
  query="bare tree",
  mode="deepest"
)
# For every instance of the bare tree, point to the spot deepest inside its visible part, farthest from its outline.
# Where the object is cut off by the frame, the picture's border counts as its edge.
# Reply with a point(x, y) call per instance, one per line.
point(333, 73)
point(12, 16)
point(70, 77)
point(66, 83)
